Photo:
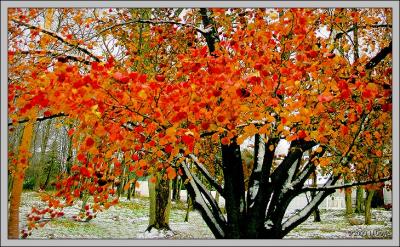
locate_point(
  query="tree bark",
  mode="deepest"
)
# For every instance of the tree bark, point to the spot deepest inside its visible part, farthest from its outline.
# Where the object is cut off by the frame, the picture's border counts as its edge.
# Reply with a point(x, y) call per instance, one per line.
point(18, 180)
point(347, 198)
point(176, 189)
point(359, 200)
point(317, 216)
point(160, 204)
point(368, 218)
point(377, 199)
point(189, 207)
point(42, 160)
point(234, 190)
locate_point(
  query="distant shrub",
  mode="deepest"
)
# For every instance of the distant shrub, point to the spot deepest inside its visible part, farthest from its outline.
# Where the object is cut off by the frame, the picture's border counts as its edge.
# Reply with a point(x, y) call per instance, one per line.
point(29, 183)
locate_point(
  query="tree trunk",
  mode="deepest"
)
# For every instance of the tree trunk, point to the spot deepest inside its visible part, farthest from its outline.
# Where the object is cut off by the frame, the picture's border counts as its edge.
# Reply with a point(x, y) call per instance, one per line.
point(46, 182)
point(377, 199)
point(349, 205)
point(43, 146)
point(317, 216)
point(234, 190)
point(370, 195)
point(176, 188)
point(69, 156)
point(359, 200)
point(189, 207)
point(18, 180)
point(160, 204)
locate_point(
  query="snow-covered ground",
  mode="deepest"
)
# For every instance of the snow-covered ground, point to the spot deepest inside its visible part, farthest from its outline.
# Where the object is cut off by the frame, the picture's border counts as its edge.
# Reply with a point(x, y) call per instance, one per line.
point(129, 220)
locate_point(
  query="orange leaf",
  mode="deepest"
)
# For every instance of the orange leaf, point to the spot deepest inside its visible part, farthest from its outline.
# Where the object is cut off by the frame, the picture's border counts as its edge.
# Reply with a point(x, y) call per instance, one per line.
point(225, 141)
point(171, 173)
point(153, 179)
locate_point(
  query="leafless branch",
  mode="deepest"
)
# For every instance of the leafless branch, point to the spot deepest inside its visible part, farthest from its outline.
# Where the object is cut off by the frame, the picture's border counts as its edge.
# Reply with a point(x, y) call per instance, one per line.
point(346, 185)
point(58, 37)
point(152, 22)
point(39, 119)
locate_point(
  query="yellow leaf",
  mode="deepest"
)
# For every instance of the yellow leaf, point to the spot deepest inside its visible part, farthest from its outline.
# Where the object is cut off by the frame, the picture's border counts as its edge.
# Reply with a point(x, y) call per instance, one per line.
point(319, 149)
point(273, 15)
point(171, 131)
point(48, 18)
point(142, 94)
point(240, 140)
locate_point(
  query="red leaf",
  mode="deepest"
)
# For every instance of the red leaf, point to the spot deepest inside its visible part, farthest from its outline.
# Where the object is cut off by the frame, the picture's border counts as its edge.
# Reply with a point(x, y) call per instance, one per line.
point(84, 172)
point(326, 97)
point(121, 77)
point(71, 132)
point(205, 125)
point(331, 55)
point(344, 129)
point(168, 148)
point(345, 94)
point(188, 140)
point(366, 94)
point(302, 134)
point(139, 173)
point(160, 78)
point(47, 113)
point(217, 93)
point(135, 157)
point(387, 107)
point(142, 78)
point(220, 118)
point(312, 54)
point(180, 116)
point(225, 141)
point(81, 157)
point(258, 66)
point(89, 142)
point(77, 193)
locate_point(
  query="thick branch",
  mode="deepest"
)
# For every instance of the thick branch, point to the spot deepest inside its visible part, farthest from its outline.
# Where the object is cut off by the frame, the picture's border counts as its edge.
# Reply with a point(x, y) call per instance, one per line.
point(207, 197)
point(209, 36)
point(152, 22)
point(205, 134)
point(55, 54)
point(300, 217)
point(209, 217)
point(204, 171)
point(235, 201)
point(346, 185)
point(339, 35)
point(379, 57)
point(297, 148)
point(39, 119)
point(58, 37)
point(308, 169)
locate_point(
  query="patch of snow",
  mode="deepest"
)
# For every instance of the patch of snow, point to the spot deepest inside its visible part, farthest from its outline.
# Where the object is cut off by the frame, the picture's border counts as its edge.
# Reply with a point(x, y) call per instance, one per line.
point(253, 190)
point(269, 224)
point(155, 234)
point(133, 222)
